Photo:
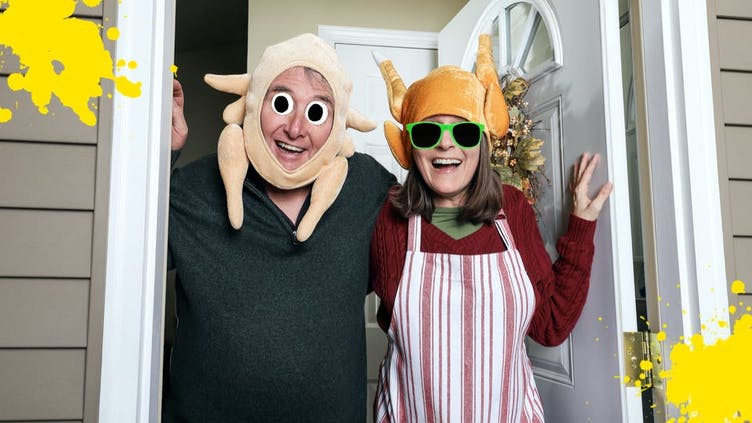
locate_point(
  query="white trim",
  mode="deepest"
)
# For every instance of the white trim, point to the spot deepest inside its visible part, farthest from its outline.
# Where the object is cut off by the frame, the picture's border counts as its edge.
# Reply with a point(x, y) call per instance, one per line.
point(136, 249)
point(688, 232)
point(383, 37)
point(700, 144)
point(619, 207)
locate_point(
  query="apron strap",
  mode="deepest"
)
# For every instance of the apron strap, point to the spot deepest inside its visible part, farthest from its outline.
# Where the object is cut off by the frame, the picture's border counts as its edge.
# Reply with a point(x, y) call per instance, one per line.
point(506, 233)
point(413, 233)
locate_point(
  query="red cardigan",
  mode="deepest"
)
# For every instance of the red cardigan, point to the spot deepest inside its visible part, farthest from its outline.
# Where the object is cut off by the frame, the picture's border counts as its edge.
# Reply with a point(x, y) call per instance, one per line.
point(560, 288)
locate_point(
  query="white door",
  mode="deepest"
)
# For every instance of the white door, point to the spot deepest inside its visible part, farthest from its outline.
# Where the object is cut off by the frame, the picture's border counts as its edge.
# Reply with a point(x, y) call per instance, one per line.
point(572, 57)
point(414, 54)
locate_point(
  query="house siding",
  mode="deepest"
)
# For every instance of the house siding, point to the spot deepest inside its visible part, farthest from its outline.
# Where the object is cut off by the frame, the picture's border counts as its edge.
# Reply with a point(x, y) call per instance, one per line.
point(53, 223)
point(730, 29)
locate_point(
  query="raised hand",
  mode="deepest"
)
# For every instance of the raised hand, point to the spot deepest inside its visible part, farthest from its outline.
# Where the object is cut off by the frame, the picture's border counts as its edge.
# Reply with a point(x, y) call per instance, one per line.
point(585, 207)
point(179, 125)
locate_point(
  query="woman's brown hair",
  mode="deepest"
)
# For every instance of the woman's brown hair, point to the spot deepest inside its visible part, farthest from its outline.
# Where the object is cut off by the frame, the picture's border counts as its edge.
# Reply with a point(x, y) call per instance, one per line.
point(483, 199)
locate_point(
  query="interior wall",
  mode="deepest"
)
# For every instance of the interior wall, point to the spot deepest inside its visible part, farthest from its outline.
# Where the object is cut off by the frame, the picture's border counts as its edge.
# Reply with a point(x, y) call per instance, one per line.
point(271, 21)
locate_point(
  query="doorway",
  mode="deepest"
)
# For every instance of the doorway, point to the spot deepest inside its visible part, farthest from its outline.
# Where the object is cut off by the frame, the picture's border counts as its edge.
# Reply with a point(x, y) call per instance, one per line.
point(209, 38)
point(414, 54)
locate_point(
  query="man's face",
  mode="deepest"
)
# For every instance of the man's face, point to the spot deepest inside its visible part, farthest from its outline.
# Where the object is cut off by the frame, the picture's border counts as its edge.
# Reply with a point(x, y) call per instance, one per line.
point(297, 116)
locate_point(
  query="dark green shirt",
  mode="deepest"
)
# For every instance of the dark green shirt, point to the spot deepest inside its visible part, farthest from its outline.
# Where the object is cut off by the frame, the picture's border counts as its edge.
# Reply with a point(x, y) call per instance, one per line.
point(269, 329)
point(445, 218)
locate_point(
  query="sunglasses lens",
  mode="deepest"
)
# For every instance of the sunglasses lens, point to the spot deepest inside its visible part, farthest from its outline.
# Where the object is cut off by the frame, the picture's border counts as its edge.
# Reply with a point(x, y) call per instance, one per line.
point(425, 134)
point(467, 134)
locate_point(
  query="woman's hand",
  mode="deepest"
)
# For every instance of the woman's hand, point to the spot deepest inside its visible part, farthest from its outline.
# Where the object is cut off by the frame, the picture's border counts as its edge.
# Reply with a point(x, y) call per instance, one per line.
point(585, 207)
point(179, 125)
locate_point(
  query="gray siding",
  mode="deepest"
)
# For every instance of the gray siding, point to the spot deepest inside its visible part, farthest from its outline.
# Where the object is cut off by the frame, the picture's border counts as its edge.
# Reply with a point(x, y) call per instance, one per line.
point(730, 30)
point(53, 216)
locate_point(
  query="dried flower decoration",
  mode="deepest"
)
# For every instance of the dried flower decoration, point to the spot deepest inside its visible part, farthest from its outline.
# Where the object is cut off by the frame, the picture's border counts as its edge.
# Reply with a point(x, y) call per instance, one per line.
point(517, 156)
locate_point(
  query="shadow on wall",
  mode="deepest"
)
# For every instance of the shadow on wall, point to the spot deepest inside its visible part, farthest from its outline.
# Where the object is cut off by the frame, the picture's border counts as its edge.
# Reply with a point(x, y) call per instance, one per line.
point(209, 38)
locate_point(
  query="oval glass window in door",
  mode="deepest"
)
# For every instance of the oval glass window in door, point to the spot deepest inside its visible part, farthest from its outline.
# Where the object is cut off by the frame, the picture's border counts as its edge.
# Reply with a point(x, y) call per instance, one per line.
point(527, 38)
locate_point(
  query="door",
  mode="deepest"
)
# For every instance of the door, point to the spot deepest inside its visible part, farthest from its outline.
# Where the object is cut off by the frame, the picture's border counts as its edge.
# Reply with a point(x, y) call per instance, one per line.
point(571, 56)
point(414, 54)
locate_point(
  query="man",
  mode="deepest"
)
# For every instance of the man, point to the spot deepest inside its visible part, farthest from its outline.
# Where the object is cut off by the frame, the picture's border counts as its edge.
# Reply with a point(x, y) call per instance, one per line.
point(272, 259)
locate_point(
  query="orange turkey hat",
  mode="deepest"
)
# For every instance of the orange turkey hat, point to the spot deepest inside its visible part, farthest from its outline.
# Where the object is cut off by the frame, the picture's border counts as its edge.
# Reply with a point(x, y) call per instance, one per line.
point(447, 90)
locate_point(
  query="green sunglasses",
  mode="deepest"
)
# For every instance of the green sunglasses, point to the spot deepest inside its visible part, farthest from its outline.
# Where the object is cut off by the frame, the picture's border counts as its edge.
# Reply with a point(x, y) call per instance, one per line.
point(427, 135)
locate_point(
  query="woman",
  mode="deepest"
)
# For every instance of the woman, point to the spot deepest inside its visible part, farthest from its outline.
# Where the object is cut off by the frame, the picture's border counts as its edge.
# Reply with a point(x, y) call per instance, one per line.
point(458, 261)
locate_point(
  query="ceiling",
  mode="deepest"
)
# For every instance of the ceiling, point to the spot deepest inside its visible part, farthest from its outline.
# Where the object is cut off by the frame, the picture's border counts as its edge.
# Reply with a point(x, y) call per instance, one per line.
point(201, 24)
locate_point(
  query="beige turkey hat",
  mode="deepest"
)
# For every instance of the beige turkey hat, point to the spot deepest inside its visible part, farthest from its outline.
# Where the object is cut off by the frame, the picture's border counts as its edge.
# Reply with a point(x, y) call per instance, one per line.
point(234, 151)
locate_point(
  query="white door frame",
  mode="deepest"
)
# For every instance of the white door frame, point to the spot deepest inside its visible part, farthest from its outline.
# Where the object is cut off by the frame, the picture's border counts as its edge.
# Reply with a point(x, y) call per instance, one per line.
point(374, 36)
point(131, 376)
point(684, 170)
point(132, 344)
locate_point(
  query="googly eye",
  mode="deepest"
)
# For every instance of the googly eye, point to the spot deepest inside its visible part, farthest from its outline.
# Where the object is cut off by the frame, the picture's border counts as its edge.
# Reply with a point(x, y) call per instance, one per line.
point(317, 112)
point(282, 103)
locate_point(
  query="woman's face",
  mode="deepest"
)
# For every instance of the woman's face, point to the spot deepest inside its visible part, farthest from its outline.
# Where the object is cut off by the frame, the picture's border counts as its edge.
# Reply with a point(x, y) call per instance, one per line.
point(447, 169)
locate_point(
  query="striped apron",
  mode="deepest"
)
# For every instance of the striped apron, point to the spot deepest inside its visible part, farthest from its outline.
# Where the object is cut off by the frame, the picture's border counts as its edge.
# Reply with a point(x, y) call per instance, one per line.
point(456, 340)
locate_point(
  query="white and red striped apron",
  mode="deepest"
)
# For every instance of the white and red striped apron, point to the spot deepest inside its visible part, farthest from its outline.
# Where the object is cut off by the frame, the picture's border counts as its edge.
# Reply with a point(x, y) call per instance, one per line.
point(456, 340)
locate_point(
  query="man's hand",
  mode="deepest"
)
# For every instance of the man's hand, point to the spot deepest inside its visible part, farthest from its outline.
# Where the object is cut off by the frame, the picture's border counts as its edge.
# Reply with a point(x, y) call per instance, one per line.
point(179, 125)
point(585, 207)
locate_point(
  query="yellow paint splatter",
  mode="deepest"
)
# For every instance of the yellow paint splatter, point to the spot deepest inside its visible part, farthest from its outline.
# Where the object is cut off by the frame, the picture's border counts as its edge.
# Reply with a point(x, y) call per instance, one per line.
point(59, 55)
point(737, 287)
point(120, 63)
point(710, 383)
point(132, 64)
point(732, 309)
point(660, 336)
point(5, 115)
point(646, 365)
point(174, 70)
point(113, 33)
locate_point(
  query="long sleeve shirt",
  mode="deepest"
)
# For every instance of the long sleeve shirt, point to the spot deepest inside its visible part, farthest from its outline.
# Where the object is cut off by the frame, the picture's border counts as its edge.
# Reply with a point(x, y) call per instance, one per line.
point(560, 287)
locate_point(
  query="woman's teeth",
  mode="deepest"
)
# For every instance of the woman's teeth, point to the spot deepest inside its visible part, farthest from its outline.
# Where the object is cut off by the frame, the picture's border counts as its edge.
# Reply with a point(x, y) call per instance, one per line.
point(445, 162)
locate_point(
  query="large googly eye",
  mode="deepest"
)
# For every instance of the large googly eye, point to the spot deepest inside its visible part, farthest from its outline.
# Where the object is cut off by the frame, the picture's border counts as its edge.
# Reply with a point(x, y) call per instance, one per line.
point(282, 103)
point(317, 112)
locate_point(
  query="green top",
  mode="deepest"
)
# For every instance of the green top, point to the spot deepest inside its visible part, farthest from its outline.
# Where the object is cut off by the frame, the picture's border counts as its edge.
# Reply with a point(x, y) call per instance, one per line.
point(445, 218)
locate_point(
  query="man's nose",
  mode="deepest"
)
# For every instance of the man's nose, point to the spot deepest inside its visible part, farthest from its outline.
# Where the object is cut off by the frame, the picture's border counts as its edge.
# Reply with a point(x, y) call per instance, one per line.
point(297, 125)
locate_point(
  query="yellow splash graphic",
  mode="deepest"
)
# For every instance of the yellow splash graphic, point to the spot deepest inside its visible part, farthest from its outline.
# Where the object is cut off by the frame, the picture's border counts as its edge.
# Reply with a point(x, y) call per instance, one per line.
point(59, 55)
point(707, 383)
point(710, 383)
point(5, 115)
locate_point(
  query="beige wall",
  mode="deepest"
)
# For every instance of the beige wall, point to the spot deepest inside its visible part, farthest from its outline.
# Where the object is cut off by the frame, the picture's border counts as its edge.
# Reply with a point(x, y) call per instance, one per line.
point(730, 29)
point(272, 21)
